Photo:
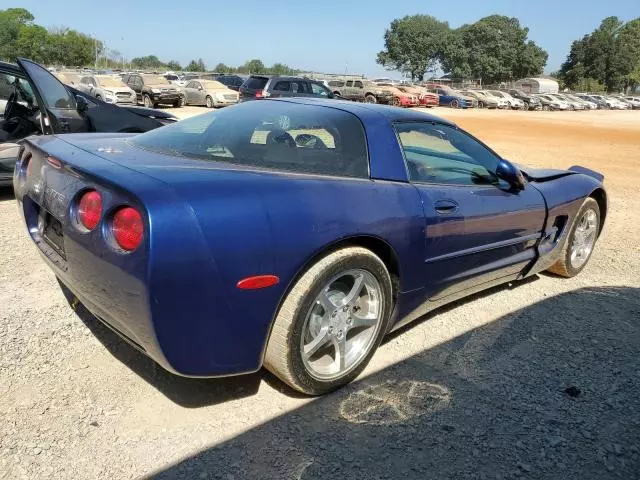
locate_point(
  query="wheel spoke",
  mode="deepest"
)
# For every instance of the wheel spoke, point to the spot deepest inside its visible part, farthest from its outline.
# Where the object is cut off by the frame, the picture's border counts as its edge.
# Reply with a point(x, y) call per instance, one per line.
point(318, 342)
point(326, 303)
point(354, 293)
point(366, 320)
point(340, 345)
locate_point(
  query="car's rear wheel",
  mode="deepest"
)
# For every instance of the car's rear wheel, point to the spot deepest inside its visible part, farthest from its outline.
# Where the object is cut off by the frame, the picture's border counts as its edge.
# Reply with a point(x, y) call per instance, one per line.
point(396, 102)
point(454, 104)
point(183, 101)
point(579, 244)
point(331, 322)
point(370, 99)
point(209, 102)
point(480, 104)
point(545, 108)
point(146, 100)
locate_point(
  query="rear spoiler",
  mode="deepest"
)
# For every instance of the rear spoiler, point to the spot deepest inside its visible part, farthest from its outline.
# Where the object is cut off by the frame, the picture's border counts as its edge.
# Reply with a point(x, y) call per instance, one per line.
point(585, 171)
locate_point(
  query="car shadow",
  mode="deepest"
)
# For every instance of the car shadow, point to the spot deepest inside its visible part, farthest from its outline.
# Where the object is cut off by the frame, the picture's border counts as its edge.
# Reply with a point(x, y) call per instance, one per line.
point(186, 392)
point(546, 392)
point(6, 193)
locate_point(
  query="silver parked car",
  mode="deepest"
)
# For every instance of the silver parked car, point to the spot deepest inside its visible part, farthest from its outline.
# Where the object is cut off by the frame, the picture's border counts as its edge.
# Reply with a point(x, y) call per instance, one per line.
point(210, 93)
point(107, 88)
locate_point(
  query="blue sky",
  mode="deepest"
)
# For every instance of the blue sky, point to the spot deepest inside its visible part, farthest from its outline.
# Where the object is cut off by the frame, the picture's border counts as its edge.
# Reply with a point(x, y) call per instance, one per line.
point(328, 36)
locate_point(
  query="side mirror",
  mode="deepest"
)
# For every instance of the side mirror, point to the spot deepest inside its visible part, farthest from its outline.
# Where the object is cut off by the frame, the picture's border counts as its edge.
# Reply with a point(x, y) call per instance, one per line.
point(511, 174)
point(81, 104)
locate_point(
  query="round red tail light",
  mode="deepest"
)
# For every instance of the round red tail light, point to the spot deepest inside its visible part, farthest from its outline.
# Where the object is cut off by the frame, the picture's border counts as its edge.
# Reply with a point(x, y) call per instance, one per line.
point(127, 228)
point(90, 209)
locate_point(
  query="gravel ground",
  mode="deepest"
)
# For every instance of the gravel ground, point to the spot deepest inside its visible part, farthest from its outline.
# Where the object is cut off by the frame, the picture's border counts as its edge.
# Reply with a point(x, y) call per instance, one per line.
point(535, 380)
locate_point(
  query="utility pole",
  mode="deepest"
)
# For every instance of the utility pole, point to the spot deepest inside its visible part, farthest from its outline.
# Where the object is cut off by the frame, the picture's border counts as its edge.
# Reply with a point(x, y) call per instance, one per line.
point(95, 45)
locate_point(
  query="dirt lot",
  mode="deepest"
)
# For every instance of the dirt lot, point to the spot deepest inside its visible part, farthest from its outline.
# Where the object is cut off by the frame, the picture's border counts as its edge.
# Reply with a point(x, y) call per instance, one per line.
point(476, 390)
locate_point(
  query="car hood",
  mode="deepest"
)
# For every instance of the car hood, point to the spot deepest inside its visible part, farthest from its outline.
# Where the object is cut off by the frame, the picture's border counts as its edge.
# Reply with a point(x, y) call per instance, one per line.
point(118, 89)
point(547, 174)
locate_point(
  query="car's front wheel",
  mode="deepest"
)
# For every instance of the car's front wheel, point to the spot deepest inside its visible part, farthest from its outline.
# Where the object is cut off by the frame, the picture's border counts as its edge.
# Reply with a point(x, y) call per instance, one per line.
point(331, 322)
point(209, 102)
point(579, 244)
point(146, 100)
point(370, 99)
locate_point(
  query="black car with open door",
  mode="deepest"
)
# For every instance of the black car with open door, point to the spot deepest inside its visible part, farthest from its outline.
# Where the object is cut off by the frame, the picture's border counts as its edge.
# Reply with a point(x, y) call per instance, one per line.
point(34, 102)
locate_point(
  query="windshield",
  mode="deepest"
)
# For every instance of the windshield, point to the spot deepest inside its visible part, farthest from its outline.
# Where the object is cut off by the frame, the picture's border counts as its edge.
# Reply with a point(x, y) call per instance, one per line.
point(156, 80)
point(269, 135)
point(108, 81)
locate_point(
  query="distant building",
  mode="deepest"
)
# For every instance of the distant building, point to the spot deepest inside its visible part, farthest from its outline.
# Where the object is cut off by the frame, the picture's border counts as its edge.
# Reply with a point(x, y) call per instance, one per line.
point(537, 85)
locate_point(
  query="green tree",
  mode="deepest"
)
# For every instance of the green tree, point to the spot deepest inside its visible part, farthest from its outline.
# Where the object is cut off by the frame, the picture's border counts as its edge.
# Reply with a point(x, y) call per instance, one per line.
point(254, 66)
point(279, 69)
point(73, 49)
point(33, 43)
point(609, 56)
point(494, 49)
point(173, 65)
point(196, 66)
point(222, 68)
point(147, 63)
point(413, 45)
point(12, 20)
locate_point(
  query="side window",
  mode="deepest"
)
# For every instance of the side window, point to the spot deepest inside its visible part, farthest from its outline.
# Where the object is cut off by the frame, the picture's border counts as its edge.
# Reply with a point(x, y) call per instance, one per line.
point(445, 155)
point(336, 83)
point(282, 87)
point(358, 84)
point(93, 82)
point(350, 83)
point(138, 82)
point(54, 93)
point(189, 85)
point(319, 90)
point(299, 87)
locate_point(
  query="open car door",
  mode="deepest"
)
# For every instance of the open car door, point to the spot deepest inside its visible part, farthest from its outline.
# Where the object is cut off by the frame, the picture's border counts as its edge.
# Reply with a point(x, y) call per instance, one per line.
point(58, 104)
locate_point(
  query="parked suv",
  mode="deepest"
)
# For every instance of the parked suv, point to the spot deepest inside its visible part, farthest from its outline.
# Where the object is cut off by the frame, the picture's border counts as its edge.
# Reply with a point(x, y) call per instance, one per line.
point(257, 87)
point(153, 90)
point(234, 82)
point(530, 101)
point(108, 88)
point(347, 89)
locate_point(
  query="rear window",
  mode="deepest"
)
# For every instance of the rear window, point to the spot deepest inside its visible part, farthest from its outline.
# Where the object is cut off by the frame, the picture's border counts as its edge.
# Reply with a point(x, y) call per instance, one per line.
point(256, 83)
point(271, 135)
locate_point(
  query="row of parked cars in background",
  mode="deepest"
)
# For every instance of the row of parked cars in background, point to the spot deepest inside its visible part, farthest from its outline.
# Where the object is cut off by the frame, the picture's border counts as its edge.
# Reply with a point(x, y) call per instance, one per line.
point(219, 90)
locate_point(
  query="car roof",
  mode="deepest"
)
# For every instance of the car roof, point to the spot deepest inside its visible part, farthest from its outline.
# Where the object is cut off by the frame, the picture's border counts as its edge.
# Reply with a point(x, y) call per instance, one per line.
point(365, 111)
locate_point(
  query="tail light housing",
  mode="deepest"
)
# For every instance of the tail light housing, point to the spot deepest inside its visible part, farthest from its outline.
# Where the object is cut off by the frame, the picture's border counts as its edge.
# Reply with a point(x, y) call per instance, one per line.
point(262, 94)
point(127, 228)
point(89, 210)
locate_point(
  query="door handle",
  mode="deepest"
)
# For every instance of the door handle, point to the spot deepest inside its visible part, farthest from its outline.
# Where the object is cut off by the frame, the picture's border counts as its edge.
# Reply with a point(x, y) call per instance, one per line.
point(445, 207)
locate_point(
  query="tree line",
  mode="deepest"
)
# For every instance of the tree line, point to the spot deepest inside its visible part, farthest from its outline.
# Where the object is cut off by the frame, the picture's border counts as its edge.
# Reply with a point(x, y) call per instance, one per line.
point(151, 62)
point(21, 37)
point(606, 59)
point(493, 49)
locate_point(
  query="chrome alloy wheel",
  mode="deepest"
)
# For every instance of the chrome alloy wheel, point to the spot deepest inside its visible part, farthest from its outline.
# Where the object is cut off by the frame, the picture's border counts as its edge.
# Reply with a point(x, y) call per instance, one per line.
point(584, 237)
point(342, 324)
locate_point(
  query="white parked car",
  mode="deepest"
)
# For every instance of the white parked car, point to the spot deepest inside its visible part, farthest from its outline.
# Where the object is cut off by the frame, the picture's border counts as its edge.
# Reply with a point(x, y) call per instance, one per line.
point(514, 103)
point(552, 103)
point(502, 101)
point(573, 104)
point(179, 80)
point(107, 88)
point(588, 104)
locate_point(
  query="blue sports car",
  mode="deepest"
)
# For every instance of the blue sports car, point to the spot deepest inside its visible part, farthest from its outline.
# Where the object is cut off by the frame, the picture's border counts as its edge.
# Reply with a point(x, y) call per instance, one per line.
point(292, 234)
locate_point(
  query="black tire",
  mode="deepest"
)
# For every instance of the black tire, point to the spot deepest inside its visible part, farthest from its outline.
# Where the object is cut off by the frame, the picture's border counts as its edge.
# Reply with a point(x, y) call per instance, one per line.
point(283, 356)
point(480, 104)
point(564, 266)
point(183, 101)
point(526, 106)
point(396, 102)
point(177, 104)
point(209, 102)
point(370, 99)
point(545, 108)
point(99, 97)
point(147, 102)
point(454, 104)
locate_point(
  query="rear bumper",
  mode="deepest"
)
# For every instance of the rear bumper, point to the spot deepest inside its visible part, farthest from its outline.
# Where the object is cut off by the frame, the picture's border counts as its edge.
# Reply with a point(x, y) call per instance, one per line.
point(166, 97)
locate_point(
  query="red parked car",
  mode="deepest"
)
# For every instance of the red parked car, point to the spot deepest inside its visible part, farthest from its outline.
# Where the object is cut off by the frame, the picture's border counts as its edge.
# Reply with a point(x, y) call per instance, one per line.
point(401, 98)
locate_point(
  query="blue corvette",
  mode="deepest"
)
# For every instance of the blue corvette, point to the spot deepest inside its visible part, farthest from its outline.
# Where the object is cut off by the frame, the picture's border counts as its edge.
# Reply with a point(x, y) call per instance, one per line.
point(292, 234)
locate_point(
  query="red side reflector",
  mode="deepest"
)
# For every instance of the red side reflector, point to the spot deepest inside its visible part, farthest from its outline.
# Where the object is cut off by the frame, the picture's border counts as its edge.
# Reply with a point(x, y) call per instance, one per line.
point(259, 281)
point(54, 162)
